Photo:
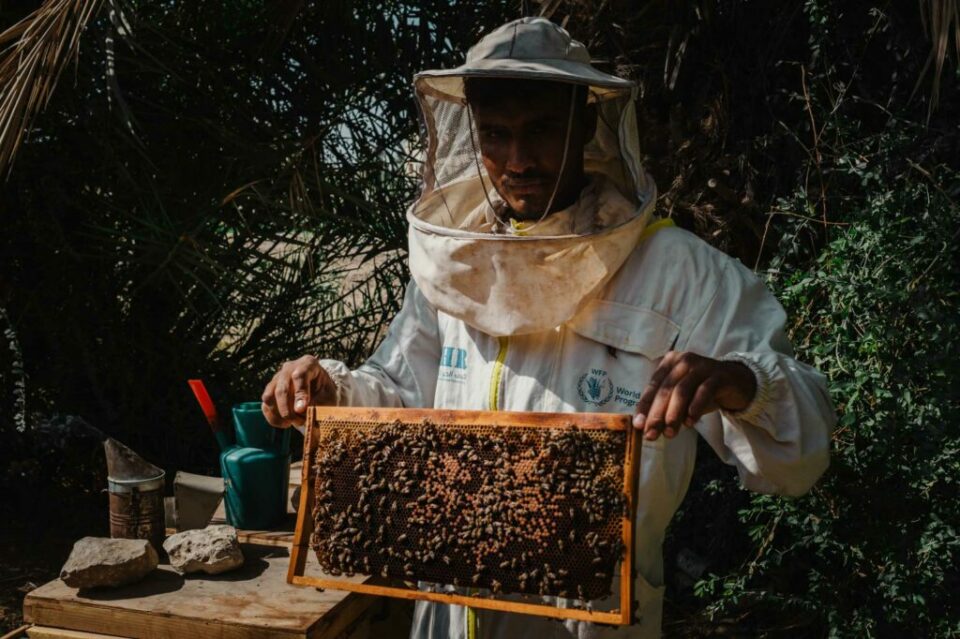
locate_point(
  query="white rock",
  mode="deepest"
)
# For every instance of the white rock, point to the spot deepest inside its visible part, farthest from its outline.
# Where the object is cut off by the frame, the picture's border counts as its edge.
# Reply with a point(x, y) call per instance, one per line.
point(101, 561)
point(212, 550)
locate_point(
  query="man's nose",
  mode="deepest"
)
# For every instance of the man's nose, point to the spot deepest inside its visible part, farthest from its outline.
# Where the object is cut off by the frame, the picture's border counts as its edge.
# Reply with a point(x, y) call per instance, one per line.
point(520, 158)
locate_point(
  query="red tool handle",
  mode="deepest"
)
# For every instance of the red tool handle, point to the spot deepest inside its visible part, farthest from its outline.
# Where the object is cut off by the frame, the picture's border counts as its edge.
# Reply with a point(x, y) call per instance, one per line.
point(206, 404)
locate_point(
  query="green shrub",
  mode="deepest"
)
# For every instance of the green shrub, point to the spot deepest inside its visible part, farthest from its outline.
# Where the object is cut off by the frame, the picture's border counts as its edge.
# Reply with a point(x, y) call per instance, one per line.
point(874, 549)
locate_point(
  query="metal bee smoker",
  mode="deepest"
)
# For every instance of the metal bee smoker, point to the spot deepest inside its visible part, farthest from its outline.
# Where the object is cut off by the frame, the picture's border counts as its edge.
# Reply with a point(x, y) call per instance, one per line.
point(499, 503)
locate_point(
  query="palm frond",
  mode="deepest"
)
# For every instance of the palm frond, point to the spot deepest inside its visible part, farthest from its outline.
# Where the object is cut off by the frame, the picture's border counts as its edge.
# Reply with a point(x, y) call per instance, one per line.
point(35, 51)
point(941, 22)
point(549, 7)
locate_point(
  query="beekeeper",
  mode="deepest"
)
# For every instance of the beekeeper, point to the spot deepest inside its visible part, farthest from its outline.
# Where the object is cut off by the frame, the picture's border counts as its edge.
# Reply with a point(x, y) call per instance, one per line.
point(542, 282)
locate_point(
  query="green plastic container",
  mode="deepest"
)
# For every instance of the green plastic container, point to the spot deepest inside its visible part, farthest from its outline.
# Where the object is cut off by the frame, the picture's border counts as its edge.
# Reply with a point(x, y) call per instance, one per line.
point(255, 470)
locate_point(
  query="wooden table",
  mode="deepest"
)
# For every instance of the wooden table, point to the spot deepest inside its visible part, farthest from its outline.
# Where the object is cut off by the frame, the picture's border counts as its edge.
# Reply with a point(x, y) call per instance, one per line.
point(251, 602)
point(254, 601)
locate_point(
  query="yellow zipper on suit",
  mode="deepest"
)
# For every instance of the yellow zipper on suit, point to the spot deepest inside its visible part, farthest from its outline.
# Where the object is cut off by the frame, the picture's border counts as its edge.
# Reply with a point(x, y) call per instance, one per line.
point(493, 403)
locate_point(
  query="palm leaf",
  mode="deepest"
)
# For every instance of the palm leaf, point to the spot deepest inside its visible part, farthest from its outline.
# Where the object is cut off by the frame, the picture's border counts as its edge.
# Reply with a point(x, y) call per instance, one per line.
point(941, 21)
point(35, 51)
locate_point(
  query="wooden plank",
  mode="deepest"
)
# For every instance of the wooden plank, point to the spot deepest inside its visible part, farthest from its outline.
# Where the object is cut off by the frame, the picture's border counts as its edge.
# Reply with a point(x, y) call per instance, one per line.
point(504, 605)
point(301, 537)
point(46, 632)
point(261, 537)
point(605, 421)
point(282, 538)
point(252, 602)
point(629, 482)
point(337, 626)
point(17, 633)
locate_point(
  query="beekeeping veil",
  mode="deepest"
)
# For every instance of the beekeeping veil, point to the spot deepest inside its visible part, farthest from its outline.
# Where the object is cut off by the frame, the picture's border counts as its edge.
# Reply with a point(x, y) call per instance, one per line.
point(513, 283)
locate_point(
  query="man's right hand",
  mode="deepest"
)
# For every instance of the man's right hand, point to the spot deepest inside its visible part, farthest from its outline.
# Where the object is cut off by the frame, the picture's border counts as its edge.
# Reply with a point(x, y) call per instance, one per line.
point(296, 385)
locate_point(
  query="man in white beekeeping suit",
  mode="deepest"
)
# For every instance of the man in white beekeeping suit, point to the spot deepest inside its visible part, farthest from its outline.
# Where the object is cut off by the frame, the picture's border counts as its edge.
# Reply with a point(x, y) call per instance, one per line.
point(541, 282)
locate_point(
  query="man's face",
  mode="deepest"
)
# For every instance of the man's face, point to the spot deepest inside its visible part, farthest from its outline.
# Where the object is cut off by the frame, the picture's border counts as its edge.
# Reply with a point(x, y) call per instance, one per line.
point(522, 142)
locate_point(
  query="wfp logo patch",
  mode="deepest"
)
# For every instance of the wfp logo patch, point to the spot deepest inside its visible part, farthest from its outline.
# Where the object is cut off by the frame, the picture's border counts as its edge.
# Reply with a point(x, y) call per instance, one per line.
point(595, 387)
point(453, 365)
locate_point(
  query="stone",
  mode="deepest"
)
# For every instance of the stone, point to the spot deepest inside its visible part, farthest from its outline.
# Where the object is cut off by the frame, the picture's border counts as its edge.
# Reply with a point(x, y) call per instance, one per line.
point(98, 562)
point(212, 550)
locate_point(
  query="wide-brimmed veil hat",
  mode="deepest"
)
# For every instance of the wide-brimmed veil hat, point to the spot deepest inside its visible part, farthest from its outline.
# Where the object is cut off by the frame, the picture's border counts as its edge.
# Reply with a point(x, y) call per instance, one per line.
point(512, 284)
point(529, 48)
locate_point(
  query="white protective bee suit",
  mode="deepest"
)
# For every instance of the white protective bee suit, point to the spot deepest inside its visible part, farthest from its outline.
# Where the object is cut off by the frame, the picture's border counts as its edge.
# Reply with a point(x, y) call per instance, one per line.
point(573, 313)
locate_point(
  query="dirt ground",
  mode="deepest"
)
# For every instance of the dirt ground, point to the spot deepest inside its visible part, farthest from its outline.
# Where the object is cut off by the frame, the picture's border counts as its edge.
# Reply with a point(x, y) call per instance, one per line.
point(32, 552)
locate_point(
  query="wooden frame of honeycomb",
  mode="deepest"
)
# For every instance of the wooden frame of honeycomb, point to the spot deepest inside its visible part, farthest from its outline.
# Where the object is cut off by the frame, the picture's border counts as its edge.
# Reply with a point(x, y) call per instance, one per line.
point(528, 504)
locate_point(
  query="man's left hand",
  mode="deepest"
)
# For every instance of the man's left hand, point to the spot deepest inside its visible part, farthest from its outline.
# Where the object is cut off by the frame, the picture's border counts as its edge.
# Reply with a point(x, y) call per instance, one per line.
point(685, 387)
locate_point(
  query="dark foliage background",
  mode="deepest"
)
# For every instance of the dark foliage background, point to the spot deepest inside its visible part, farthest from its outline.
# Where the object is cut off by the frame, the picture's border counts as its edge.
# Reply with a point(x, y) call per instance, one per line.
point(216, 187)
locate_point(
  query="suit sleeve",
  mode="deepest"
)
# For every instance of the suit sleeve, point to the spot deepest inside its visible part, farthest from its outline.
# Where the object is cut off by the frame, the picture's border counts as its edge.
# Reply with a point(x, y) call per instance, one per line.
point(781, 442)
point(402, 372)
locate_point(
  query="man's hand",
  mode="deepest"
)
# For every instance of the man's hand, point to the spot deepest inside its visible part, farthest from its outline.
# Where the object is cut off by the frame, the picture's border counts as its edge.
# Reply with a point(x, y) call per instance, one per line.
point(685, 387)
point(295, 386)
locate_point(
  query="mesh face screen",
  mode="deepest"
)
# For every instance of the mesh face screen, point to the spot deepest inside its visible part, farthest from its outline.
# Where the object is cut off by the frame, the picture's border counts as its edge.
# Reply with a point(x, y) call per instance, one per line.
point(513, 510)
point(453, 146)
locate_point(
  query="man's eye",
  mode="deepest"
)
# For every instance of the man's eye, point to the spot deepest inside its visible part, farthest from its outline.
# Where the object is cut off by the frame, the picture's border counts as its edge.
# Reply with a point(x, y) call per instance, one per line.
point(492, 135)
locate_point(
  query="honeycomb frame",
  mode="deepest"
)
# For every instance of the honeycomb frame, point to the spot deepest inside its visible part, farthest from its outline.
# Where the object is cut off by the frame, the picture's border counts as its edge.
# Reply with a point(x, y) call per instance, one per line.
point(329, 425)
